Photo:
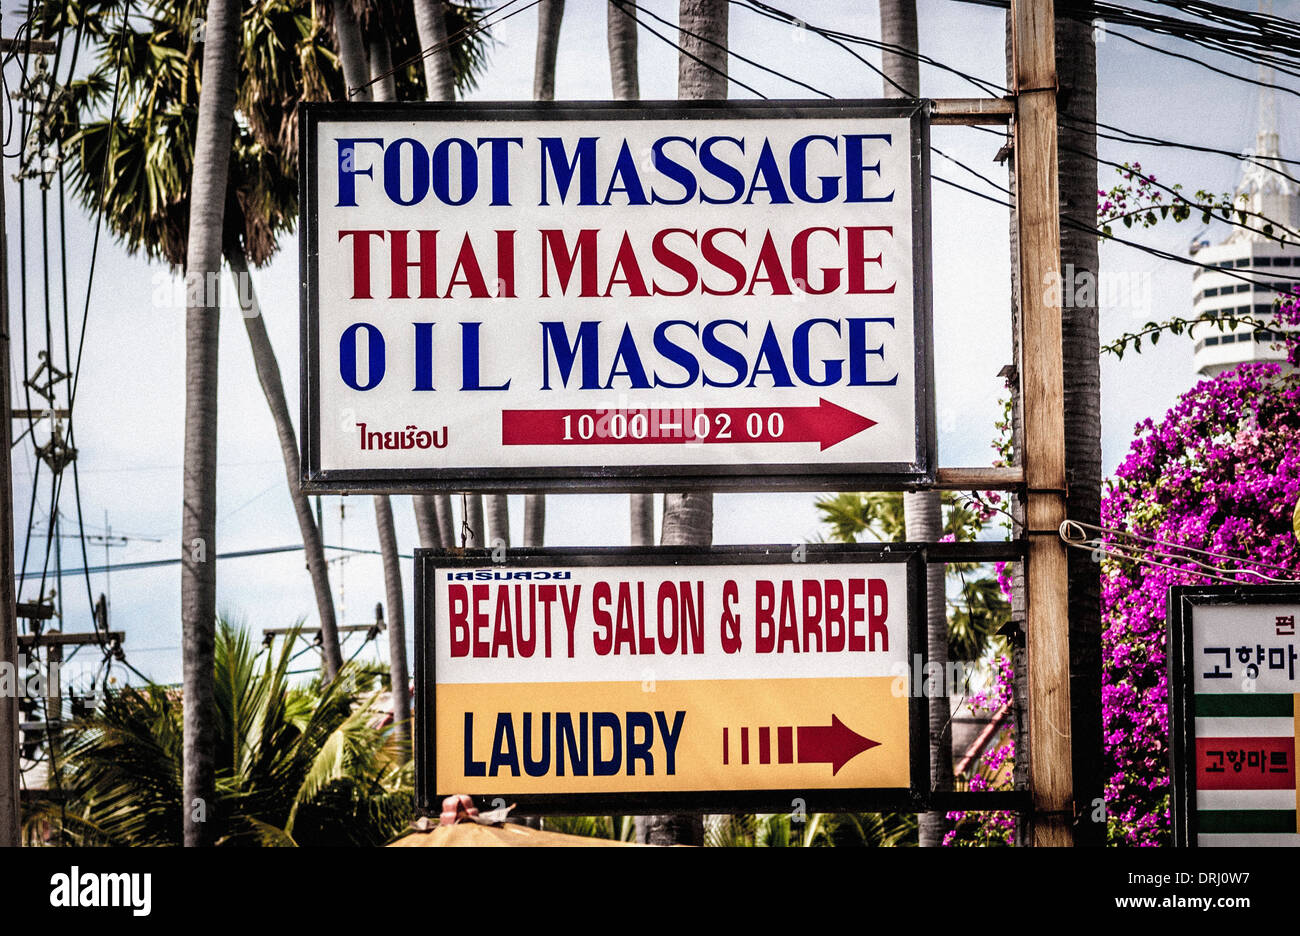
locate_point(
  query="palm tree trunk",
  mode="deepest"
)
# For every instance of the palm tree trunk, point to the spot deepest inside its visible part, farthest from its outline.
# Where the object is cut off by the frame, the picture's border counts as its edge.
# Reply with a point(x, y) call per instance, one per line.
point(621, 29)
point(426, 521)
point(922, 511)
point(381, 68)
point(474, 518)
point(352, 52)
point(535, 520)
point(268, 375)
point(431, 26)
point(688, 518)
point(643, 519)
point(433, 512)
point(385, 89)
point(446, 520)
point(1076, 69)
point(549, 14)
point(497, 509)
point(898, 28)
point(702, 67)
point(199, 511)
point(923, 516)
point(396, 617)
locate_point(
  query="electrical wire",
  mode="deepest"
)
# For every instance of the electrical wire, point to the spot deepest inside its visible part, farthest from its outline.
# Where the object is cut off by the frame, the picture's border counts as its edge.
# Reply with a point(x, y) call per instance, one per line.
point(771, 12)
point(1074, 534)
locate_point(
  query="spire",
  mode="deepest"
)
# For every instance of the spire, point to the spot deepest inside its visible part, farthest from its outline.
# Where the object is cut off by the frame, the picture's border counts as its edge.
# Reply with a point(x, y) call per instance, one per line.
point(1266, 140)
point(1264, 188)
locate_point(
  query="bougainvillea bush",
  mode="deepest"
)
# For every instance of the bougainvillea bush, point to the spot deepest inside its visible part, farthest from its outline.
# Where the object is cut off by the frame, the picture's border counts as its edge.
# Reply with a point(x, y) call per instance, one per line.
point(1221, 473)
point(993, 766)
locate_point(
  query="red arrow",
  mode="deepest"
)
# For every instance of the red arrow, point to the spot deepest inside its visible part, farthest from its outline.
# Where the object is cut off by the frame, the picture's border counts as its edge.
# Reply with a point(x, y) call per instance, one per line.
point(833, 744)
point(826, 424)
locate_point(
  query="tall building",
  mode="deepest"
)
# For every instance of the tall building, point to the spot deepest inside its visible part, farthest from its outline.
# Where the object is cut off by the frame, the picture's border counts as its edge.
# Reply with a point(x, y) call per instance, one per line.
point(1263, 190)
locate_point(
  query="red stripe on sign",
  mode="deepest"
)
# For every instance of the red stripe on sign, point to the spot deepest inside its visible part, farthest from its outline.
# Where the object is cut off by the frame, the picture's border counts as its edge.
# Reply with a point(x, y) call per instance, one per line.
point(765, 745)
point(744, 745)
point(725, 746)
point(1245, 764)
point(785, 745)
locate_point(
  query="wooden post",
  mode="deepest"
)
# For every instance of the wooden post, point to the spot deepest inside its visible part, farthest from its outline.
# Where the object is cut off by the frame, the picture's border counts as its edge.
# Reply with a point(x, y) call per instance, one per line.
point(9, 815)
point(1038, 215)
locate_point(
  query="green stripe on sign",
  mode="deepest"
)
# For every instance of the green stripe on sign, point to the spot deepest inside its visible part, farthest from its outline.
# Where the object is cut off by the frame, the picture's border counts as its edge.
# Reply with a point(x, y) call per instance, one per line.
point(1245, 704)
point(1212, 821)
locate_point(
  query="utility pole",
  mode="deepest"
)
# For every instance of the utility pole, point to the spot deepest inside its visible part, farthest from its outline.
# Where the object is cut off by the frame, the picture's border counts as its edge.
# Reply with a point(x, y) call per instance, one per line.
point(9, 809)
point(1033, 41)
point(9, 812)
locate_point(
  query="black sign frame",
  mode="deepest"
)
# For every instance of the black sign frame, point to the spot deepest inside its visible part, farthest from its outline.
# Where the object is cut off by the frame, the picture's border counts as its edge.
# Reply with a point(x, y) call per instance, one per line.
point(1179, 617)
point(596, 478)
point(912, 798)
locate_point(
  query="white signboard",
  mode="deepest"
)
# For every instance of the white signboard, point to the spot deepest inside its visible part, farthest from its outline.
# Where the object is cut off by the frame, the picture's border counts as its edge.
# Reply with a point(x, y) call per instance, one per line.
point(631, 296)
point(1235, 676)
point(634, 674)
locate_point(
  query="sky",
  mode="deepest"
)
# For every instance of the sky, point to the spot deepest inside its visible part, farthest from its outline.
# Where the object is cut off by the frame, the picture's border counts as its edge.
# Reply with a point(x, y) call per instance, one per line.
point(130, 404)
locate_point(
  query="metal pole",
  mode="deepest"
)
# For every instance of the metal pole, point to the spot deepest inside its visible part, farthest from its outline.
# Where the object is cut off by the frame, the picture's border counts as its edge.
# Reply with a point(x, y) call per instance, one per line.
point(1033, 39)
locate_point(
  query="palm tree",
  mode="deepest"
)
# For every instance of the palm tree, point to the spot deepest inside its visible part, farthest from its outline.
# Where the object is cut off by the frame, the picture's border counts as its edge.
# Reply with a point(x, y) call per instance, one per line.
point(212, 137)
point(431, 26)
point(549, 14)
point(701, 76)
point(974, 621)
point(1076, 70)
point(392, 563)
point(295, 765)
point(688, 518)
point(781, 830)
point(146, 200)
point(902, 78)
point(433, 512)
point(352, 51)
point(383, 87)
point(620, 27)
point(268, 375)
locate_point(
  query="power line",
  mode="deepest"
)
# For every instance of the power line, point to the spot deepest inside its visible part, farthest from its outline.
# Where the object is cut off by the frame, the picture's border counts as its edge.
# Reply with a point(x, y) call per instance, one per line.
point(239, 554)
point(1077, 225)
point(771, 12)
point(1254, 47)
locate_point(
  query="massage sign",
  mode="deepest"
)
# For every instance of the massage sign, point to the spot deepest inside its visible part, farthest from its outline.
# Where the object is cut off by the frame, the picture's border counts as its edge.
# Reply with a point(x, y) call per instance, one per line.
point(615, 296)
point(614, 679)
